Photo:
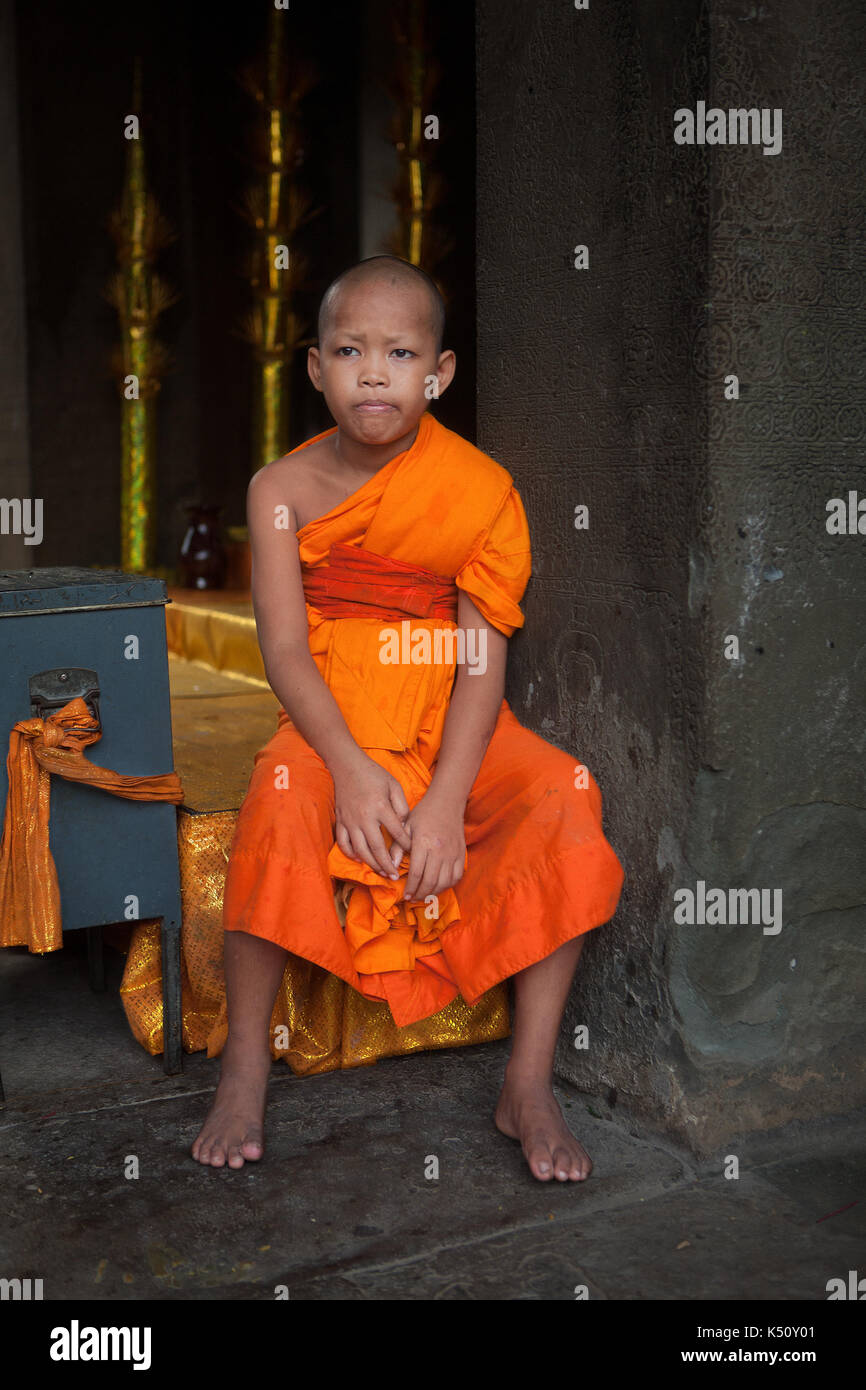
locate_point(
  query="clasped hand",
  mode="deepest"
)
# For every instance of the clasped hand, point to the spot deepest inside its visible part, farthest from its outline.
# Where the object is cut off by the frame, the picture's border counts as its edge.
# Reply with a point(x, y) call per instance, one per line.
point(367, 798)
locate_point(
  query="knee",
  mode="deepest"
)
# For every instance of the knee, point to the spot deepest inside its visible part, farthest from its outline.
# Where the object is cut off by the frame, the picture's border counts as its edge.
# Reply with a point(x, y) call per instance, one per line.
point(289, 761)
point(289, 788)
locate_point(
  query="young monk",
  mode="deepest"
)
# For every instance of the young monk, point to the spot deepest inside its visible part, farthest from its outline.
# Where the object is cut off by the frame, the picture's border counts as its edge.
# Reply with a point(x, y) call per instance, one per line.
point(475, 847)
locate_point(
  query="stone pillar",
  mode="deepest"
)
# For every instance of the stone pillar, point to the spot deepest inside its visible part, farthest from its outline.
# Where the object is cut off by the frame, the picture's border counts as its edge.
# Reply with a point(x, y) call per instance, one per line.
point(771, 1019)
point(604, 387)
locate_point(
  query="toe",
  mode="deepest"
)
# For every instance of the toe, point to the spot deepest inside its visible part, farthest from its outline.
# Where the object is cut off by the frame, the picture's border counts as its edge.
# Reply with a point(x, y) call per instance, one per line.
point(581, 1165)
point(540, 1161)
point(562, 1163)
point(251, 1147)
point(203, 1154)
point(217, 1157)
point(236, 1158)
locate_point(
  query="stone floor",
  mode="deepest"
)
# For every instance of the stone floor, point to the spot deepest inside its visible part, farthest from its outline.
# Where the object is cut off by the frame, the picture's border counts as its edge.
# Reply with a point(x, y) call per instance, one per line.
point(342, 1207)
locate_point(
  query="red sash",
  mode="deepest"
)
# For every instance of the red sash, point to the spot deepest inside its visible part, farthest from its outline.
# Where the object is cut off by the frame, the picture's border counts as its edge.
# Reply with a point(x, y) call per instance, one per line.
point(357, 583)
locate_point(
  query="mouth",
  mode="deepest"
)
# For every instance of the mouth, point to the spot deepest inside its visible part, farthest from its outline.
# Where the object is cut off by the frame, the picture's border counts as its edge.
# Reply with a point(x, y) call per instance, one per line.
point(373, 407)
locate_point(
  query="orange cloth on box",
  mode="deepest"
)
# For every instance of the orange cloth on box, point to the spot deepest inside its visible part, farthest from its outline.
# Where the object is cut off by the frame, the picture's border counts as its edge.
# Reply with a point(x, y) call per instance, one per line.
point(29, 892)
point(538, 870)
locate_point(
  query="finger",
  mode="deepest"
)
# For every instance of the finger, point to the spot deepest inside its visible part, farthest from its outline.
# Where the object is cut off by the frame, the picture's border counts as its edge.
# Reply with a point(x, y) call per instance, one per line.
point(443, 883)
point(364, 852)
point(450, 876)
point(397, 797)
point(416, 869)
point(396, 829)
point(344, 842)
point(379, 849)
point(431, 876)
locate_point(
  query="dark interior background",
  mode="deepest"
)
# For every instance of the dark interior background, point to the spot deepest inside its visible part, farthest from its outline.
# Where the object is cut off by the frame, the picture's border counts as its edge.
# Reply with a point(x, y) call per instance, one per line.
point(75, 69)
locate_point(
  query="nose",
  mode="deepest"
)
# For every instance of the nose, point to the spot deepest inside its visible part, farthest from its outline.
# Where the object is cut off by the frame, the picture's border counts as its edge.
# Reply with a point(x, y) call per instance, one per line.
point(373, 372)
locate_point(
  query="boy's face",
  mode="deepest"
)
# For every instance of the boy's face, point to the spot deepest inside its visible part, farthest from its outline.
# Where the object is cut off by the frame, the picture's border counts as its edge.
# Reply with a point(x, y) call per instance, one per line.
point(378, 346)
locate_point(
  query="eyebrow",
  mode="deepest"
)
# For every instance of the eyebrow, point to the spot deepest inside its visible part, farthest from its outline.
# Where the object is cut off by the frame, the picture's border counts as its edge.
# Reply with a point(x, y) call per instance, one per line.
point(359, 338)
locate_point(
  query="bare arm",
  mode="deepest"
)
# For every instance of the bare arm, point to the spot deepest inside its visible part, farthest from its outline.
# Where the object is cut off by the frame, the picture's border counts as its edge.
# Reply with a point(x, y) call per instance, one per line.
point(474, 707)
point(436, 822)
point(366, 796)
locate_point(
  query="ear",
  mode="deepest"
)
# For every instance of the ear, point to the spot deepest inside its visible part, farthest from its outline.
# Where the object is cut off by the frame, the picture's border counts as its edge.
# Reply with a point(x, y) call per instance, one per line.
point(314, 367)
point(445, 369)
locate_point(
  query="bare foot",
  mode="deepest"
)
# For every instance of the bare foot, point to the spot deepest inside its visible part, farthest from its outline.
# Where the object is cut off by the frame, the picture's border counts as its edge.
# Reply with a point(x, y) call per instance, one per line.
point(233, 1130)
point(527, 1110)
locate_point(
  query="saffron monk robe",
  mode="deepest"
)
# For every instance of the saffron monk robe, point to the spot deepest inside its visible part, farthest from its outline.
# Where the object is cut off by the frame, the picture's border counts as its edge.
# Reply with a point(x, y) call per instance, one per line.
point(389, 560)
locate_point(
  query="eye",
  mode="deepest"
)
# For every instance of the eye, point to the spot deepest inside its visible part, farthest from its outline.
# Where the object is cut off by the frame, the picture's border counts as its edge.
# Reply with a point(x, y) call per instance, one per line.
point(406, 350)
point(347, 348)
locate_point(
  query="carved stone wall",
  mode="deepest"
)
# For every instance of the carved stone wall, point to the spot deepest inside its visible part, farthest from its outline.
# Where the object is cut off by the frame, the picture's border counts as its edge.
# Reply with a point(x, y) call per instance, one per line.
point(774, 1023)
point(604, 387)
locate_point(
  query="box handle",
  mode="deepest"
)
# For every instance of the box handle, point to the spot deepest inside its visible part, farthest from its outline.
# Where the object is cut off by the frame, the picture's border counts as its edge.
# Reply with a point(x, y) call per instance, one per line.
point(50, 690)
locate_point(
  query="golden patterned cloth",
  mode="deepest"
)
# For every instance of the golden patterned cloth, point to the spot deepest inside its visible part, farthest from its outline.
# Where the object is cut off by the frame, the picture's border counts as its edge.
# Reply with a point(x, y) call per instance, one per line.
point(322, 1022)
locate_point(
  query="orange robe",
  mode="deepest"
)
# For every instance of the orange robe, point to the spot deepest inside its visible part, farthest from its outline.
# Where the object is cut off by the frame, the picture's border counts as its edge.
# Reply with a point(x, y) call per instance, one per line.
point(538, 869)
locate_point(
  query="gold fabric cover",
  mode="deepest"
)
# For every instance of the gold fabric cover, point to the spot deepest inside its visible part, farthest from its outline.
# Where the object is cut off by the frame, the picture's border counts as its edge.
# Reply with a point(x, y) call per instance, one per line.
point(216, 629)
point(325, 1023)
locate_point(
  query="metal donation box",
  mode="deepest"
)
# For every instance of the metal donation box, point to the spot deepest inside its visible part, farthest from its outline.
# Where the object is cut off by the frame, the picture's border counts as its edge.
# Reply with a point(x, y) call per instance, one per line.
point(100, 635)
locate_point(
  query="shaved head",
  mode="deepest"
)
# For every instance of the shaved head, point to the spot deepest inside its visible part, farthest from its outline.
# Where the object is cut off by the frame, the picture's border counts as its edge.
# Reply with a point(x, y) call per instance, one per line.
point(395, 273)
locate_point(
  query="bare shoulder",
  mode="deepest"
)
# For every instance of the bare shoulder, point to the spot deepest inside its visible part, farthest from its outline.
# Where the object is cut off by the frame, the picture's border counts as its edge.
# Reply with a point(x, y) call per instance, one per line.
point(288, 481)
